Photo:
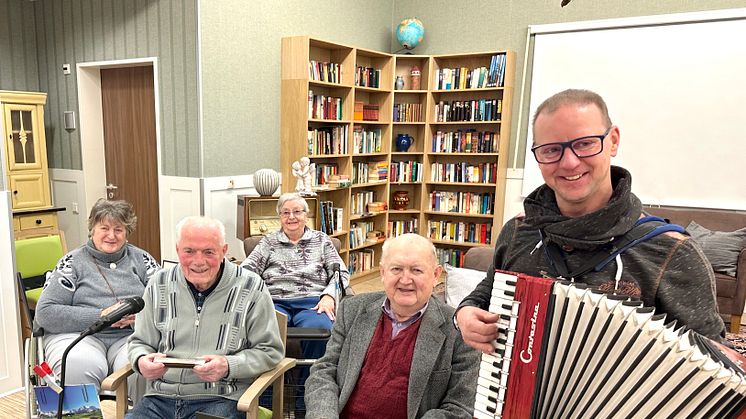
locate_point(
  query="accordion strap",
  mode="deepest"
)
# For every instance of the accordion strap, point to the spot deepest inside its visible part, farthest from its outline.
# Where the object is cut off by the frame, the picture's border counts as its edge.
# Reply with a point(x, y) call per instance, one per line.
point(639, 233)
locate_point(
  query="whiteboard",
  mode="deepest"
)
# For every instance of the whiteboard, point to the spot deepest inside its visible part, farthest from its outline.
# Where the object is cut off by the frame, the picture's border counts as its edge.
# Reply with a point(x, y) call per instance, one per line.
point(676, 90)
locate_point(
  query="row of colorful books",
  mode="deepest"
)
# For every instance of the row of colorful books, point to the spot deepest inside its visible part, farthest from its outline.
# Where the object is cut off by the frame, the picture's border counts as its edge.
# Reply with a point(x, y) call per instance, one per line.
point(359, 232)
point(408, 112)
point(366, 141)
point(468, 110)
point(331, 217)
point(468, 141)
point(462, 202)
point(324, 71)
point(361, 260)
point(366, 112)
point(405, 171)
point(460, 231)
point(327, 140)
point(463, 172)
point(359, 201)
point(364, 172)
point(323, 172)
point(453, 257)
point(476, 78)
point(368, 77)
point(324, 107)
point(396, 228)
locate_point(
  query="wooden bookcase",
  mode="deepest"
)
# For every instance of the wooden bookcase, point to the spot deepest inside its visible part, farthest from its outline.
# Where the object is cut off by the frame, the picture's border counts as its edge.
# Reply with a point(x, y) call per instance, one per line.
point(420, 123)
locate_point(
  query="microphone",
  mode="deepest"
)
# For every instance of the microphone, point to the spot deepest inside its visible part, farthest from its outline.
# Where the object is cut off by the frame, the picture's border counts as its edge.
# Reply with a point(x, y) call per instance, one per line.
point(129, 306)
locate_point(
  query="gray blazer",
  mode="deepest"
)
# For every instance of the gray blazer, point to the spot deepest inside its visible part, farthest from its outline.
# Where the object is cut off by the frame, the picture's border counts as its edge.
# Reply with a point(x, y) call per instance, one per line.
point(442, 381)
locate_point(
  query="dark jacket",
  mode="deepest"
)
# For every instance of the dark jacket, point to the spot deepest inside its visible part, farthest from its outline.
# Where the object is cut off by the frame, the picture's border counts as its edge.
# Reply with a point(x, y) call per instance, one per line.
point(668, 271)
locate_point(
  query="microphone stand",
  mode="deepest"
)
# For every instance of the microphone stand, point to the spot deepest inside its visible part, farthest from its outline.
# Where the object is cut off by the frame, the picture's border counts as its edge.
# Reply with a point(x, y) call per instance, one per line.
point(62, 372)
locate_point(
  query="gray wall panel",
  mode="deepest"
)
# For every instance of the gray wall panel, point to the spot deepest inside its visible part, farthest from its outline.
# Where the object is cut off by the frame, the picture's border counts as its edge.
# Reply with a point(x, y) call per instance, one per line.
point(18, 66)
point(79, 31)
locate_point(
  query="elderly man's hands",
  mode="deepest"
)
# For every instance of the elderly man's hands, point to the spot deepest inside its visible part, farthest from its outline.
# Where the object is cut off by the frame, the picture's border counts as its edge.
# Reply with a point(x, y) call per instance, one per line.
point(149, 369)
point(213, 370)
point(478, 328)
point(326, 305)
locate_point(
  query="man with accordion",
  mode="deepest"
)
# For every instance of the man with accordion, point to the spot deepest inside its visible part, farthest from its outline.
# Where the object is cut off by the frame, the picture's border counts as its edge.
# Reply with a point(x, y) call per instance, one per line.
point(585, 204)
point(592, 308)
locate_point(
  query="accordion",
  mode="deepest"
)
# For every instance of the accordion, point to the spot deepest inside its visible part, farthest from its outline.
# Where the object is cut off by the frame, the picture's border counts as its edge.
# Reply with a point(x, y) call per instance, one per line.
point(565, 350)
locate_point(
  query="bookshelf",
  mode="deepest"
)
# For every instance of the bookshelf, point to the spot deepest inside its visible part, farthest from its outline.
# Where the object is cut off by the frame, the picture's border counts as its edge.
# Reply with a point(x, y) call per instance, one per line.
point(340, 106)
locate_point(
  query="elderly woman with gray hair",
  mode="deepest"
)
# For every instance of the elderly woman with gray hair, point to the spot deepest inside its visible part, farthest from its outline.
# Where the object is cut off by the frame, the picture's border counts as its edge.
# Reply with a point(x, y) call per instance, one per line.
point(90, 282)
point(297, 264)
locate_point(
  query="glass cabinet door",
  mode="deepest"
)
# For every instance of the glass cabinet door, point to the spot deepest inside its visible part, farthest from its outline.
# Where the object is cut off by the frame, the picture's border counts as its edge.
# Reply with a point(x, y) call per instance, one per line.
point(21, 135)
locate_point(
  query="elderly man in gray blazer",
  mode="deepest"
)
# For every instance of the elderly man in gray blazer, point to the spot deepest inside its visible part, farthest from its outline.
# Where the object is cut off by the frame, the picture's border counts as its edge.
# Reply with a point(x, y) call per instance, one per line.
point(396, 354)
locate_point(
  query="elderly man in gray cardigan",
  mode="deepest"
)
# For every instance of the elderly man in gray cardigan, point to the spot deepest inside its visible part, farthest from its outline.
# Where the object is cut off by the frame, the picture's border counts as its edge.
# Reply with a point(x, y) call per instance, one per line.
point(396, 354)
point(208, 308)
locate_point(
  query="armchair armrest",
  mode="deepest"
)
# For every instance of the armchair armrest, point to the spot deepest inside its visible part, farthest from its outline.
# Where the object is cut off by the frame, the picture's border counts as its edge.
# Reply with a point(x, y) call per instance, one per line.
point(117, 382)
point(249, 401)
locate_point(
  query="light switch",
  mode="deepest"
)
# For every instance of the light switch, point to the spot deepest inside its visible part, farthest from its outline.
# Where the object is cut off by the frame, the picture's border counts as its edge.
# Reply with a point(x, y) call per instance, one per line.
point(65, 69)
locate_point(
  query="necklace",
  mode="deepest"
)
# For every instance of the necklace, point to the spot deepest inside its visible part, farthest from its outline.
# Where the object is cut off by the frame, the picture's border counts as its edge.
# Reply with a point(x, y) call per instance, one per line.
point(106, 279)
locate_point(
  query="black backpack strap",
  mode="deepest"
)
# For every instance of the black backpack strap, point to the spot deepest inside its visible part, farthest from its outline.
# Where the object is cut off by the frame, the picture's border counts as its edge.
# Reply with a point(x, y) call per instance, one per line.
point(639, 233)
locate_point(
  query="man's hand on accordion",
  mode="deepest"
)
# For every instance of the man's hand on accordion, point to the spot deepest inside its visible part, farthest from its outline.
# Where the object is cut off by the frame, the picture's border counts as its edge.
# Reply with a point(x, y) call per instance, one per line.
point(478, 328)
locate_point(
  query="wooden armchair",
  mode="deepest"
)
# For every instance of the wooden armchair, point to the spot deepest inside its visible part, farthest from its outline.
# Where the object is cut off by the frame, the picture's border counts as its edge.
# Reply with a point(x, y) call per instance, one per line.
point(249, 401)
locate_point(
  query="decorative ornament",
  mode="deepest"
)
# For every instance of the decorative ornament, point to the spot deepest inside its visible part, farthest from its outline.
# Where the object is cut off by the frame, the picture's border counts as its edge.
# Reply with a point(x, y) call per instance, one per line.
point(266, 181)
point(399, 84)
point(303, 170)
point(409, 33)
point(415, 75)
point(401, 200)
point(403, 142)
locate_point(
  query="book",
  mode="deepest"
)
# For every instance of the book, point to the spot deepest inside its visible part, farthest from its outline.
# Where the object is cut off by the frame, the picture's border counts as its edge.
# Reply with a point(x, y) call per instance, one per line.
point(180, 362)
point(81, 401)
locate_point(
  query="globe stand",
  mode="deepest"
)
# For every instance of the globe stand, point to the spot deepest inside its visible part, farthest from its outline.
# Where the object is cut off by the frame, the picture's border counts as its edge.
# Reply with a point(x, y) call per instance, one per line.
point(409, 51)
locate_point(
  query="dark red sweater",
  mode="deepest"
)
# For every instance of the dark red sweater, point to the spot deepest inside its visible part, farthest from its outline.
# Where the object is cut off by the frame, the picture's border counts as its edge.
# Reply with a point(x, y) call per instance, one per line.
point(382, 387)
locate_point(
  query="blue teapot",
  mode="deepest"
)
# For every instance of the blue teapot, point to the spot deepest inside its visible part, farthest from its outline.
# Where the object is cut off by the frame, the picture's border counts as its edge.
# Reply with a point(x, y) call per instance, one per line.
point(403, 142)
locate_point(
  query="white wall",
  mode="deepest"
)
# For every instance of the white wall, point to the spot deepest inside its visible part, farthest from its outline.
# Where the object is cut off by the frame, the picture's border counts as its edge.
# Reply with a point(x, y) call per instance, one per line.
point(179, 197)
point(10, 334)
point(679, 102)
point(221, 202)
point(69, 192)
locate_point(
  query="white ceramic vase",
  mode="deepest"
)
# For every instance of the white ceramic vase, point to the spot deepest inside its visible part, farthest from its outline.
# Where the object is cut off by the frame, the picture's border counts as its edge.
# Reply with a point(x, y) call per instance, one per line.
point(266, 181)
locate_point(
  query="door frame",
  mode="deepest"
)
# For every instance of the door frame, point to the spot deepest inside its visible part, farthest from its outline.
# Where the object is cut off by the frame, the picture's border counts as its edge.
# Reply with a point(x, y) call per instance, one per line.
point(92, 129)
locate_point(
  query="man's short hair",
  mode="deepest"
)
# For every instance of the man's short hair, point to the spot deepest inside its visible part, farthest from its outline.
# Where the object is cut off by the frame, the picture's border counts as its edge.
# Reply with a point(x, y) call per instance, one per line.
point(573, 97)
point(412, 239)
point(201, 220)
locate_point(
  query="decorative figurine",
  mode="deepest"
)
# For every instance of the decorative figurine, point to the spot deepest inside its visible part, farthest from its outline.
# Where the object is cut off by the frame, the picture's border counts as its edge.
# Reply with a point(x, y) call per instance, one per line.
point(415, 77)
point(303, 171)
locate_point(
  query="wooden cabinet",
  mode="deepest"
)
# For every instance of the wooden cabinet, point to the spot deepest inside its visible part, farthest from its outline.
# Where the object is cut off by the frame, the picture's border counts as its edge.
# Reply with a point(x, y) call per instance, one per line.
point(341, 107)
point(25, 155)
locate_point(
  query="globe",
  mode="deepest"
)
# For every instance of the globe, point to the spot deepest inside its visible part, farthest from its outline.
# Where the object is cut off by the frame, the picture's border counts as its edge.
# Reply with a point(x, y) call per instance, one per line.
point(409, 33)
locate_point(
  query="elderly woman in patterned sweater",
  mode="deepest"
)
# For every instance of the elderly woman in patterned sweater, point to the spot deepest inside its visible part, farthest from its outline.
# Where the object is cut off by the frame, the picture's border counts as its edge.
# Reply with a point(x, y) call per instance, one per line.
point(90, 282)
point(297, 263)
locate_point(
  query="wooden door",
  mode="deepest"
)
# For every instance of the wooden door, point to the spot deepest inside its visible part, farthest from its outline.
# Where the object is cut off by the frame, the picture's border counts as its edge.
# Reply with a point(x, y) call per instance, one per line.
point(128, 100)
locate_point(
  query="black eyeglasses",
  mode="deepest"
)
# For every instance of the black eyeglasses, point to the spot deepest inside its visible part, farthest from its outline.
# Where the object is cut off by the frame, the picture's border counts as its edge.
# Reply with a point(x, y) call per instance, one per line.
point(582, 147)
